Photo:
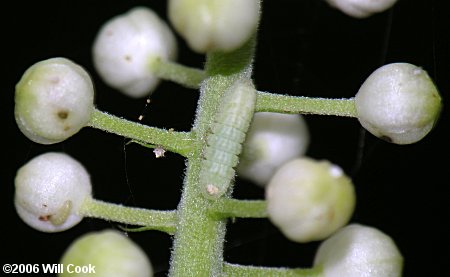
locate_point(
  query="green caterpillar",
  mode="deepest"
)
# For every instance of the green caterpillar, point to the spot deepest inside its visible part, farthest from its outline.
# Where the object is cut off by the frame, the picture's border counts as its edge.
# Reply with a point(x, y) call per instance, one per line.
point(63, 213)
point(224, 144)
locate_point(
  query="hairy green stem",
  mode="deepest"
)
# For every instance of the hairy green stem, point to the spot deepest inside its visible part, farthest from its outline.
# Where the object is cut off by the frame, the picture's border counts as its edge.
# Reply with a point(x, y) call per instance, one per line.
point(198, 243)
point(164, 221)
point(177, 73)
point(269, 102)
point(242, 270)
point(230, 208)
point(178, 142)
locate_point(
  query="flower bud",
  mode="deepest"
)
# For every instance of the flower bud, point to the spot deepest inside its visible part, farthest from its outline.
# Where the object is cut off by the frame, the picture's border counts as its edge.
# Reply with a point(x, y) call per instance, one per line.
point(361, 8)
point(50, 190)
point(358, 250)
point(125, 47)
point(109, 254)
point(272, 140)
point(398, 103)
point(215, 25)
point(54, 100)
point(309, 200)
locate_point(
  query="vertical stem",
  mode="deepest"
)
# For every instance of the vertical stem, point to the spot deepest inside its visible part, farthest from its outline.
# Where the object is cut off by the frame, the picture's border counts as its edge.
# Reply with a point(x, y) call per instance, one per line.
point(198, 242)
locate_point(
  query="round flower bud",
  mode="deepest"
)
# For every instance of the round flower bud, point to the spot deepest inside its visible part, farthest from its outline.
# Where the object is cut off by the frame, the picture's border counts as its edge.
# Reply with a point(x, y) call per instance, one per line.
point(106, 253)
point(361, 8)
point(54, 99)
point(272, 140)
point(125, 47)
point(50, 189)
point(398, 103)
point(308, 200)
point(214, 25)
point(358, 250)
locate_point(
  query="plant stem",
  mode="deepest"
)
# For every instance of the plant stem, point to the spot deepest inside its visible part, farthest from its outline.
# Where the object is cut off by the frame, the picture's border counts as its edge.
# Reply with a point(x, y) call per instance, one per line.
point(175, 72)
point(269, 102)
point(198, 248)
point(241, 270)
point(164, 221)
point(178, 142)
point(199, 239)
point(229, 208)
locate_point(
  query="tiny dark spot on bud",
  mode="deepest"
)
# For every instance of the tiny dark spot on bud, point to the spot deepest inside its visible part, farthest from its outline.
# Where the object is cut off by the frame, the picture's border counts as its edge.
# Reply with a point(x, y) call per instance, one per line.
point(66, 128)
point(386, 138)
point(44, 205)
point(44, 217)
point(63, 114)
point(128, 58)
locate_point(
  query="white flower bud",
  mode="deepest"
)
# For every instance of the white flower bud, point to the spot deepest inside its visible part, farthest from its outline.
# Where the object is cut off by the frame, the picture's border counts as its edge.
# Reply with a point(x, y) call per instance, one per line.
point(398, 103)
point(272, 140)
point(54, 99)
point(358, 250)
point(362, 8)
point(210, 25)
point(125, 47)
point(109, 253)
point(309, 200)
point(50, 190)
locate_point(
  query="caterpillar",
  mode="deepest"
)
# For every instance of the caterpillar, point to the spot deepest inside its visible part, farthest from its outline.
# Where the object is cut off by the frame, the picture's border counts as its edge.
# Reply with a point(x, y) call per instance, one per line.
point(63, 213)
point(224, 143)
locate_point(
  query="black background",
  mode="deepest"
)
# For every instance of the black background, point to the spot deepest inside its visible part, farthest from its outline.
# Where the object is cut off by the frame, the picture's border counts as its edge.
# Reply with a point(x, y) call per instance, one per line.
point(305, 48)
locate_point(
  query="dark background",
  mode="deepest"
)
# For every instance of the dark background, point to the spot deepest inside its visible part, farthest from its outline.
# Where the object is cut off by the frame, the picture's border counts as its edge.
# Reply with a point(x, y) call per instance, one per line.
point(305, 48)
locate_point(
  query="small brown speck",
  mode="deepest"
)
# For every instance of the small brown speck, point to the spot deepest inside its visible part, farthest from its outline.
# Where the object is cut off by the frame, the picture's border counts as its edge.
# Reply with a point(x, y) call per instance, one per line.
point(63, 114)
point(44, 217)
point(128, 58)
point(54, 80)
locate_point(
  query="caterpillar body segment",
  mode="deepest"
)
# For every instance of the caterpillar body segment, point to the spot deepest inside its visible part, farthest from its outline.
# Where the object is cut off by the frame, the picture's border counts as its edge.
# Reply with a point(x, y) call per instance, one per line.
point(63, 213)
point(224, 143)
